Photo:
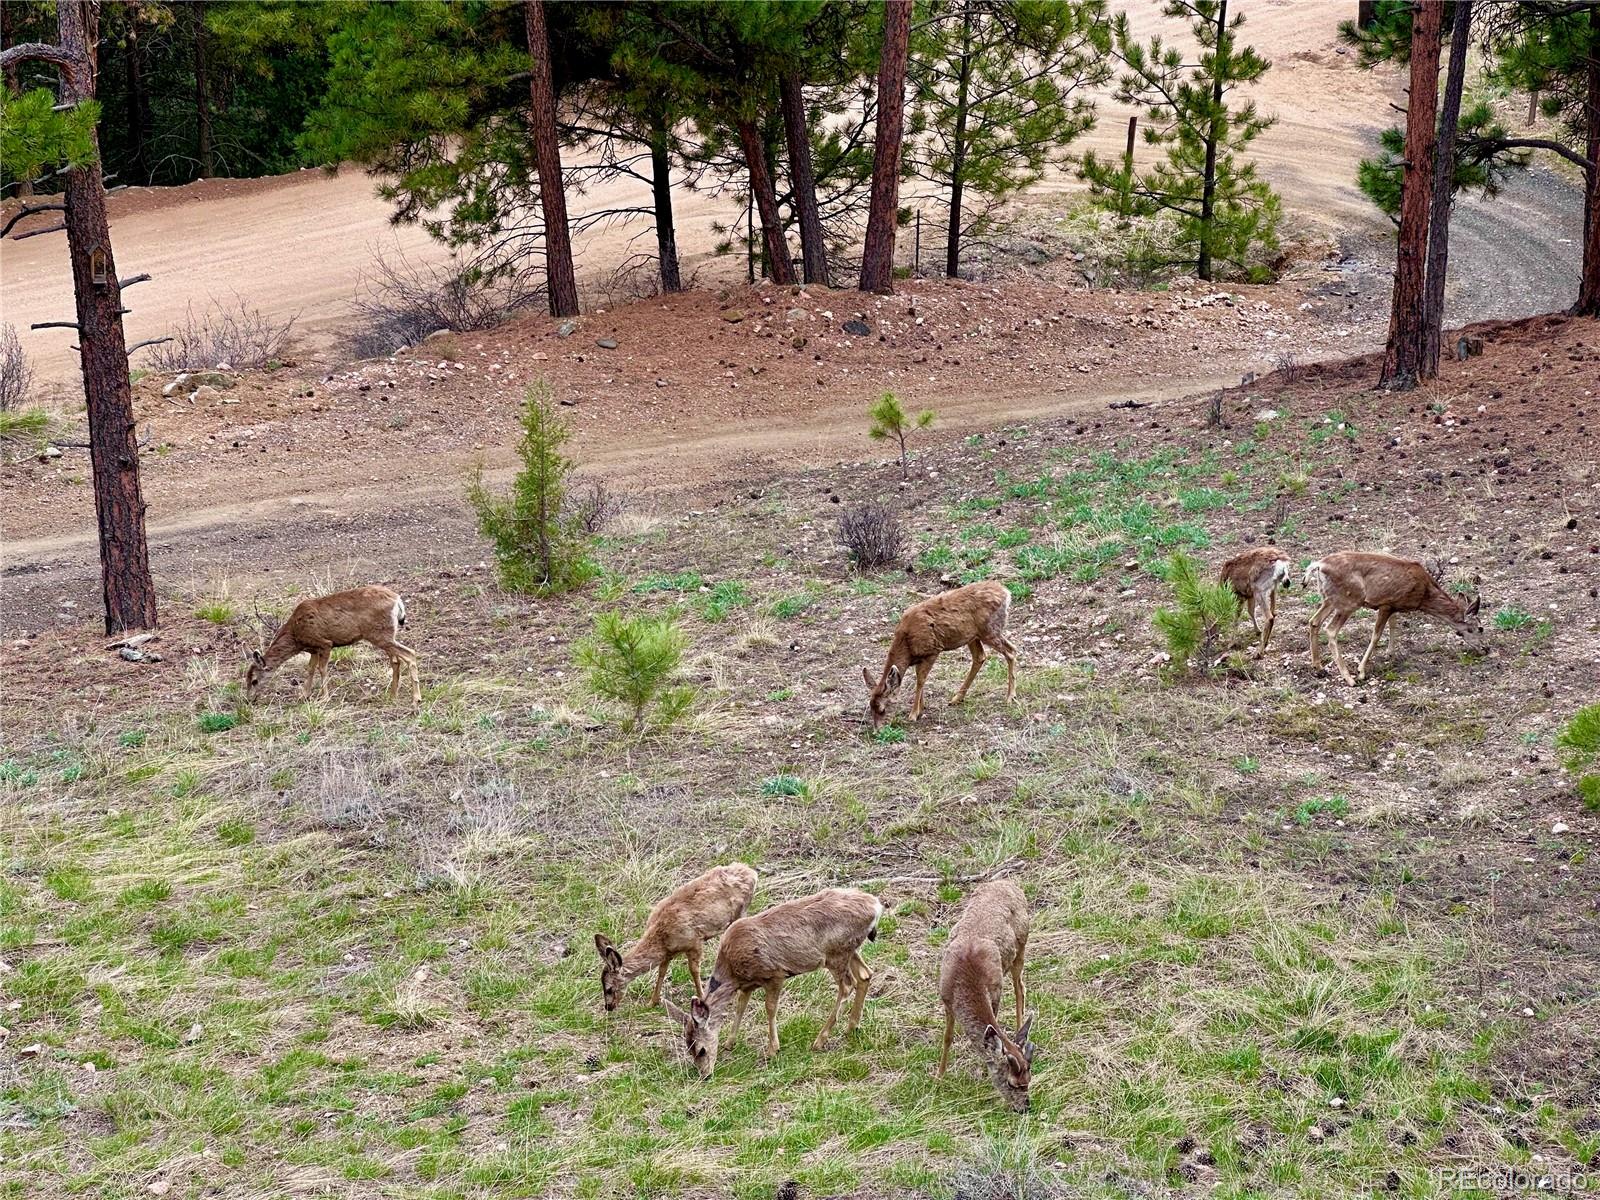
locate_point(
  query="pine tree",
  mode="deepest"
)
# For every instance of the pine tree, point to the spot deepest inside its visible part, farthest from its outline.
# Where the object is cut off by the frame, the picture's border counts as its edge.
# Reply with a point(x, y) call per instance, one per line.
point(1403, 355)
point(999, 91)
point(1225, 212)
point(877, 255)
point(126, 583)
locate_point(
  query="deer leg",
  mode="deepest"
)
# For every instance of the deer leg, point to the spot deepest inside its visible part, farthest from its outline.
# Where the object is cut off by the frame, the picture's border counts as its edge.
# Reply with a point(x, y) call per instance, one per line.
point(976, 647)
point(863, 977)
point(1334, 627)
point(1372, 646)
point(739, 1002)
point(841, 983)
point(1248, 604)
point(949, 1036)
point(692, 957)
point(394, 676)
point(1394, 638)
point(1009, 653)
point(311, 673)
point(1017, 990)
point(923, 667)
point(1317, 619)
point(661, 978)
point(410, 657)
point(773, 991)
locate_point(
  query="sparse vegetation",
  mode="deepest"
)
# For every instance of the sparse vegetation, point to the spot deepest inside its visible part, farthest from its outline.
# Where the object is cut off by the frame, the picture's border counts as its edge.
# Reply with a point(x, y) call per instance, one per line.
point(16, 374)
point(871, 532)
point(890, 420)
point(539, 546)
point(223, 337)
point(401, 303)
point(633, 661)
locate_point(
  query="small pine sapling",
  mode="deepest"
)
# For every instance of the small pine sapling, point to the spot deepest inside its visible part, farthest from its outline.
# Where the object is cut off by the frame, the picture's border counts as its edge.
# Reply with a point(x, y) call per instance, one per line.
point(1202, 619)
point(632, 661)
point(538, 546)
point(890, 420)
point(1579, 743)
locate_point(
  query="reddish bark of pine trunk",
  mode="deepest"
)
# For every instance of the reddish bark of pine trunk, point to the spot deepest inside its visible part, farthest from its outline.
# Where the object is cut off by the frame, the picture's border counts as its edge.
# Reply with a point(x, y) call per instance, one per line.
point(562, 283)
point(803, 179)
point(877, 256)
point(1588, 304)
point(130, 594)
point(1444, 169)
point(661, 194)
point(202, 92)
point(779, 268)
point(1402, 359)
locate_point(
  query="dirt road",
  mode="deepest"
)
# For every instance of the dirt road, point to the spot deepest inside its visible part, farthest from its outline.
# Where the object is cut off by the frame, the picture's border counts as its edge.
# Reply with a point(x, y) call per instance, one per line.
point(297, 246)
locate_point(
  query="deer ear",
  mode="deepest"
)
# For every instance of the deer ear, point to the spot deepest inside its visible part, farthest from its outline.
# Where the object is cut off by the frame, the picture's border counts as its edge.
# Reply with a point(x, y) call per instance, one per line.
point(673, 1011)
point(991, 1039)
point(1477, 602)
point(1022, 1033)
point(699, 1009)
point(607, 951)
point(258, 658)
point(894, 676)
point(867, 675)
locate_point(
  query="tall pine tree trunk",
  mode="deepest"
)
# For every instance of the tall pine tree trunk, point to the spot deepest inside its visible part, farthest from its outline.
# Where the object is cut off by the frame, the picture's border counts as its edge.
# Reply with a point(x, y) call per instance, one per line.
point(666, 231)
point(1402, 359)
point(877, 256)
point(562, 283)
point(779, 268)
point(9, 82)
point(1444, 192)
point(803, 179)
point(958, 152)
point(140, 120)
point(1208, 185)
point(202, 91)
point(1588, 304)
point(130, 594)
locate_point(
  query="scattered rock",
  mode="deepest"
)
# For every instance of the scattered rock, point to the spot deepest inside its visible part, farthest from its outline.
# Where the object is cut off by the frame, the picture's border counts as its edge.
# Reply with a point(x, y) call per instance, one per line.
point(1560, 827)
point(859, 328)
point(160, 1187)
point(214, 379)
point(796, 314)
point(204, 393)
point(138, 639)
point(438, 333)
point(48, 453)
point(732, 315)
point(606, 343)
point(566, 329)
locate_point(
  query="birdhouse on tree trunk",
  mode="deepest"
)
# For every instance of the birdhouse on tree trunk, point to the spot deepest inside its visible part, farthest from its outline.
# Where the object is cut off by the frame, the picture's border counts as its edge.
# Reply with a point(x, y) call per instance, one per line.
point(99, 269)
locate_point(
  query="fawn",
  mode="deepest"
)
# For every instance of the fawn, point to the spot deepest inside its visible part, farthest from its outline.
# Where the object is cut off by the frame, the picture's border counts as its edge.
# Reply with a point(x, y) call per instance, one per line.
point(679, 924)
point(1255, 577)
point(987, 942)
point(796, 937)
point(973, 616)
point(1353, 579)
point(373, 614)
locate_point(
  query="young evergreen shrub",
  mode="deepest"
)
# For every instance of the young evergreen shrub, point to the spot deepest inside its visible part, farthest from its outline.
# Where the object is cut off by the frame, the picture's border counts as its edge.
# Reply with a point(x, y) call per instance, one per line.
point(1579, 744)
point(1203, 616)
point(538, 546)
point(632, 661)
point(890, 420)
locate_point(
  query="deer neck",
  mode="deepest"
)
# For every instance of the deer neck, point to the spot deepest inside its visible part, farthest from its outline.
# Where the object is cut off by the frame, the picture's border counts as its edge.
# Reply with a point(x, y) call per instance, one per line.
point(1440, 603)
point(899, 656)
point(280, 651)
point(719, 1001)
point(974, 1011)
point(639, 958)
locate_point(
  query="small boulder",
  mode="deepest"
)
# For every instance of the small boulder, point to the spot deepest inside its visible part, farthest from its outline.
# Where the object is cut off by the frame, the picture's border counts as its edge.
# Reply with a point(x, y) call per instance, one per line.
point(566, 329)
point(204, 393)
point(859, 328)
point(796, 314)
point(606, 343)
point(48, 453)
point(732, 315)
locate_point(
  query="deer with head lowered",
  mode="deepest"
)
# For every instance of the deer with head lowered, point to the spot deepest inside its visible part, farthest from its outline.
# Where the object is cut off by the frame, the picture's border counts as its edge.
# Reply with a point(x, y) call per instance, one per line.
point(763, 951)
point(679, 924)
point(987, 944)
point(373, 614)
point(973, 616)
point(1354, 579)
point(1255, 577)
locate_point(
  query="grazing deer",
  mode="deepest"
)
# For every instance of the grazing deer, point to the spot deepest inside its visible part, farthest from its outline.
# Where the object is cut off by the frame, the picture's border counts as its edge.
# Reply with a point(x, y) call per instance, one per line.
point(796, 937)
point(1353, 579)
point(679, 924)
point(1255, 577)
point(973, 616)
point(988, 942)
point(374, 615)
